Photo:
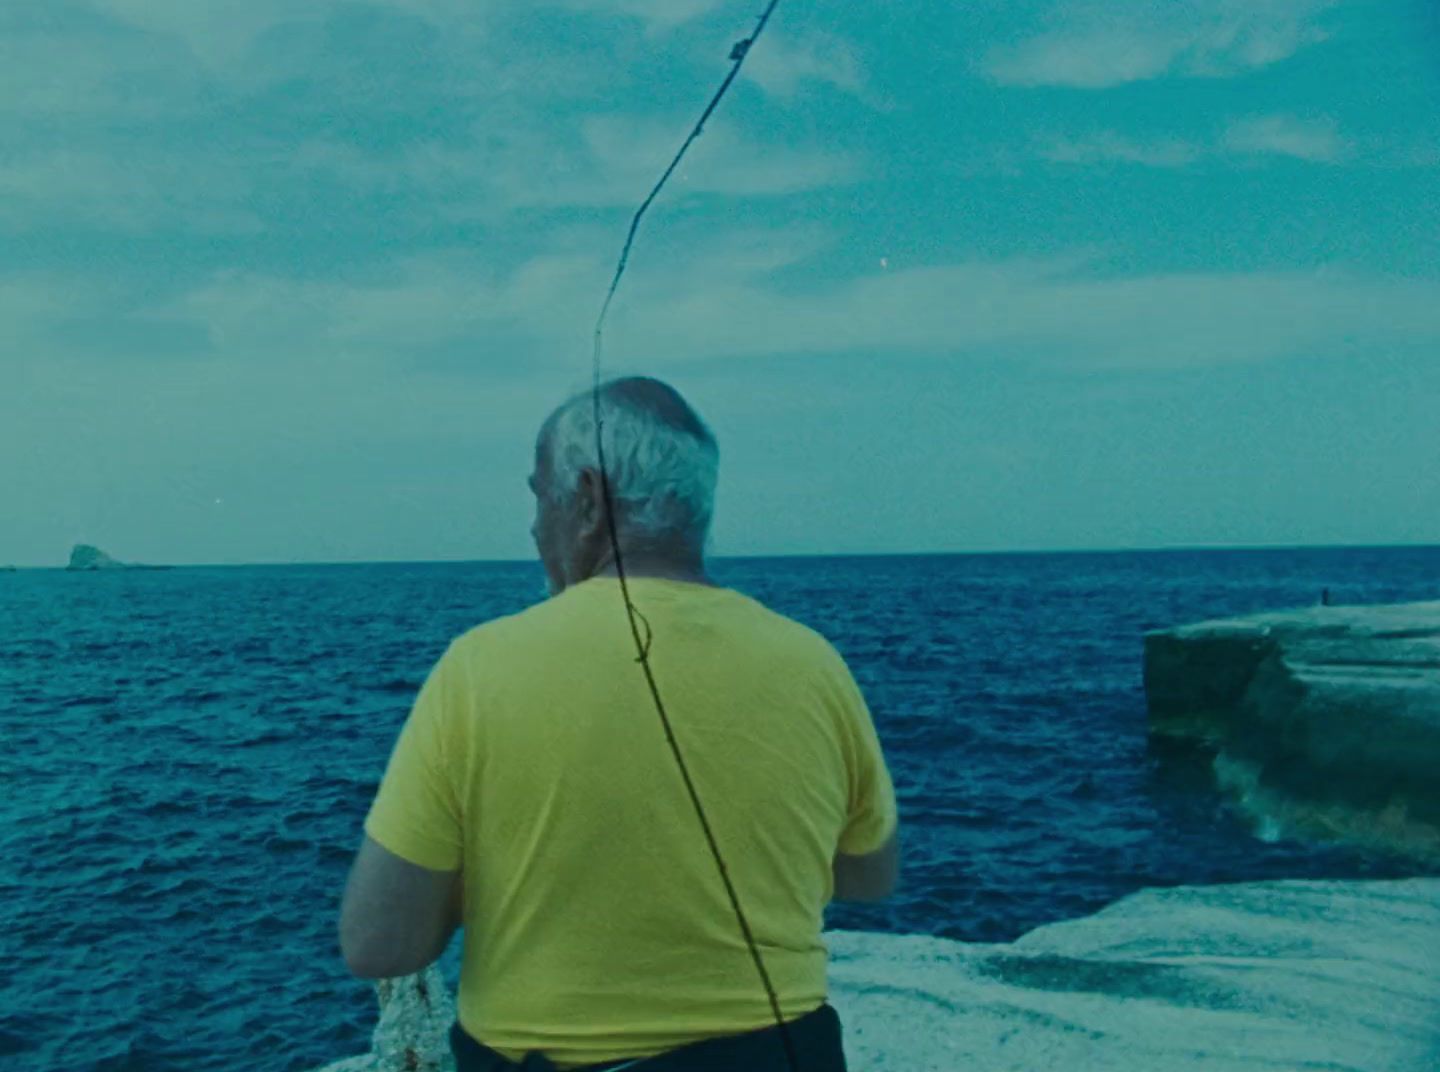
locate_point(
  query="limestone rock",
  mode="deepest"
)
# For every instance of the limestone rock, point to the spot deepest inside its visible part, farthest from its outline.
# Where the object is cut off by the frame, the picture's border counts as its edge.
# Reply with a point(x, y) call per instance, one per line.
point(1329, 705)
point(1258, 976)
point(413, 1033)
point(1191, 979)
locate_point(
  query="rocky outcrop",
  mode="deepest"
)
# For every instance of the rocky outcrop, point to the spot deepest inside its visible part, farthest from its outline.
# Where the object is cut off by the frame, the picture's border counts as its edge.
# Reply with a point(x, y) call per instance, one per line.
point(85, 557)
point(1324, 706)
point(1339, 975)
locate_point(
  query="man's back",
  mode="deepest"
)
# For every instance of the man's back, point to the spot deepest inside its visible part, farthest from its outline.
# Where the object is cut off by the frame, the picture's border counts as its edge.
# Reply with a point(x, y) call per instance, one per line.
point(596, 924)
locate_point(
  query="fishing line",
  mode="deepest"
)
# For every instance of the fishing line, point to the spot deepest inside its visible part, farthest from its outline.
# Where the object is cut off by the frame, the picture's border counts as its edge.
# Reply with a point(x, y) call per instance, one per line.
point(738, 53)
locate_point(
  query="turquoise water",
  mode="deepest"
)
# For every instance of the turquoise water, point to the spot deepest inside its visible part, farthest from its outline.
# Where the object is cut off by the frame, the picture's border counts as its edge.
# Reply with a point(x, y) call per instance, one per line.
point(188, 756)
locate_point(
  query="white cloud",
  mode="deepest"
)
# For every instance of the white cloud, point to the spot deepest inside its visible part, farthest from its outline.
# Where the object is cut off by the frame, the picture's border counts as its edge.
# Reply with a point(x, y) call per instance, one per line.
point(724, 306)
point(604, 162)
point(1316, 140)
point(627, 155)
point(658, 13)
point(123, 192)
point(1103, 45)
point(1041, 310)
point(217, 32)
point(781, 64)
point(197, 153)
point(1109, 145)
point(222, 33)
point(31, 304)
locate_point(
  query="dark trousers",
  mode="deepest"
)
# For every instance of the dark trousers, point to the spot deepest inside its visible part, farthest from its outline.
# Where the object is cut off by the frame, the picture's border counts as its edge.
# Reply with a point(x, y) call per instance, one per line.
point(815, 1038)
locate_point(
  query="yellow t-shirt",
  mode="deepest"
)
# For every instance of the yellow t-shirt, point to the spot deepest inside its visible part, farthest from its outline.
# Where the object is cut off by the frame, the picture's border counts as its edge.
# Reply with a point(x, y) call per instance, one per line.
point(596, 925)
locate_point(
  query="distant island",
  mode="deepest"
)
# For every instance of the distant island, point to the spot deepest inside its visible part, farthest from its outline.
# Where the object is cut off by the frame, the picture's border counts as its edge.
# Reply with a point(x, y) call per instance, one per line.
point(84, 557)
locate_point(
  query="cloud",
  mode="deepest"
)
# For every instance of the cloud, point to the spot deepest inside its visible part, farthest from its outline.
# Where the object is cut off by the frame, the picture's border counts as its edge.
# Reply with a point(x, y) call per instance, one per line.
point(444, 300)
point(219, 33)
point(782, 64)
point(1043, 310)
point(1313, 140)
point(1109, 146)
point(604, 161)
point(69, 69)
point(458, 310)
point(658, 13)
point(139, 191)
point(627, 155)
point(32, 305)
point(1100, 45)
point(222, 118)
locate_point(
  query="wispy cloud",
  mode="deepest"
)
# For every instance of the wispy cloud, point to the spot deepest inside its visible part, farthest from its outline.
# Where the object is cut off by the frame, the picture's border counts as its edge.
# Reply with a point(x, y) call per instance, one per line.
point(603, 162)
point(625, 154)
point(1316, 140)
point(1101, 45)
point(1313, 140)
point(141, 190)
point(660, 13)
point(207, 146)
point(783, 64)
point(219, 33)
point(1045, 311)
point(725, 305)
point(1108, 146)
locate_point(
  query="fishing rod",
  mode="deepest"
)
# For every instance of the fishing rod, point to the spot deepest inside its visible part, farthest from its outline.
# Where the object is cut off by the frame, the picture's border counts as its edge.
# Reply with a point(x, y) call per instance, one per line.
point(738, 52)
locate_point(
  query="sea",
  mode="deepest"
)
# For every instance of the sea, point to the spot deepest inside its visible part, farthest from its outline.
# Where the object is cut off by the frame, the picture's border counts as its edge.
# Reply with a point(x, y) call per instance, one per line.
point(186, 757)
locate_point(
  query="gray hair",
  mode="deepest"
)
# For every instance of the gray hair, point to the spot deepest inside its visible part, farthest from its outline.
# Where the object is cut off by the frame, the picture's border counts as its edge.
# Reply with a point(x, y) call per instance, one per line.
point(661, 460)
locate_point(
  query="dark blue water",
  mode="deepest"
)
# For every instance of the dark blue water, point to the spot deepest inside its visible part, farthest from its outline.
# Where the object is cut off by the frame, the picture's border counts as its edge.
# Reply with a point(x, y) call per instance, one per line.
point(188, 755)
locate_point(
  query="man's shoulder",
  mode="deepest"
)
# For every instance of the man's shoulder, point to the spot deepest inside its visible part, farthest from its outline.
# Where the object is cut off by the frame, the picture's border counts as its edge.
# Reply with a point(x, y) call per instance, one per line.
point(553, 618)
point(793, 639)
point(495, 632)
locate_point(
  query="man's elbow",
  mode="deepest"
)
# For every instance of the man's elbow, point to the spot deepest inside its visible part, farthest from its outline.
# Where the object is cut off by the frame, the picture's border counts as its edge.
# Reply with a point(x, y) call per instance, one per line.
point(869, 878)
point(376, 960)
point(366, 963)
point(869, 891)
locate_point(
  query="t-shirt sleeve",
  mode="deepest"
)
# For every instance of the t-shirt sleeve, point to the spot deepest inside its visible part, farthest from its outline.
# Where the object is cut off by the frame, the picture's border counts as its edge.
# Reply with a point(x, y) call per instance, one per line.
point(416, 812)
point(873, 814)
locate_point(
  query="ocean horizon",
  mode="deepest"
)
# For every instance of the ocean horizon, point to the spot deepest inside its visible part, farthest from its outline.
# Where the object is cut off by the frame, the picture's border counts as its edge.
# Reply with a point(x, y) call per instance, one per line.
point(1195, 548)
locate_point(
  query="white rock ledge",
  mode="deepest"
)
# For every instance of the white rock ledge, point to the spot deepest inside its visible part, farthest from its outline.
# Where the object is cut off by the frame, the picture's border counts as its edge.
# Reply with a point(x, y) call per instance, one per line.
point(1277, 975)
point(1329, 705)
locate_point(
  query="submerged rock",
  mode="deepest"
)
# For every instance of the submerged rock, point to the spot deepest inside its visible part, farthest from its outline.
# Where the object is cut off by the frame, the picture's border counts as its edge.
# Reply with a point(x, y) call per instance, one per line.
point(1341, 975)
point(1321, 712)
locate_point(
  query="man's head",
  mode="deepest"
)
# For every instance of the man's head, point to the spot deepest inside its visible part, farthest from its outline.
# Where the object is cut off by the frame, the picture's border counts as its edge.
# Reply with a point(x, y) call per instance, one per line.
point(661, 461)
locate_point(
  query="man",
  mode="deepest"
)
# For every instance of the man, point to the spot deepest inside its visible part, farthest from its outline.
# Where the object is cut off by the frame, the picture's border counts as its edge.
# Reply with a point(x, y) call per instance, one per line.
point(533, 799)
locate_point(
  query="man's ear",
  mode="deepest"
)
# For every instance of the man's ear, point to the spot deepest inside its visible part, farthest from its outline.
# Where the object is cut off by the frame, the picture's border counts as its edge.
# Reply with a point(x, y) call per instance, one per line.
point(591, 501)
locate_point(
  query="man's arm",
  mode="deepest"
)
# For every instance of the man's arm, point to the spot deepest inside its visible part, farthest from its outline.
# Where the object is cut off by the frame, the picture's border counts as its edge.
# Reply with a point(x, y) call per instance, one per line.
point(396, 917)
point(871, 877)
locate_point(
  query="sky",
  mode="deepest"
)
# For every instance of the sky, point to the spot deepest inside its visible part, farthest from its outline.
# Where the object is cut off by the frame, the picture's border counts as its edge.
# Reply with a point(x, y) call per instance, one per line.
point(292, 282)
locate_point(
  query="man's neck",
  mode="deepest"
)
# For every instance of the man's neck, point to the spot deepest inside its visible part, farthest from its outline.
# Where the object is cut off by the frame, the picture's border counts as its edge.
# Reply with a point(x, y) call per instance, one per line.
point(640, 565)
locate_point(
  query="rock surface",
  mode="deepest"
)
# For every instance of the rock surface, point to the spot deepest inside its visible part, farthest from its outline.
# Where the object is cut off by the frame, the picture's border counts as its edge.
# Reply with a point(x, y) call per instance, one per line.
point(1329, 705)
point(412, 1034)
point(1334, 975)
point(85, 557)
